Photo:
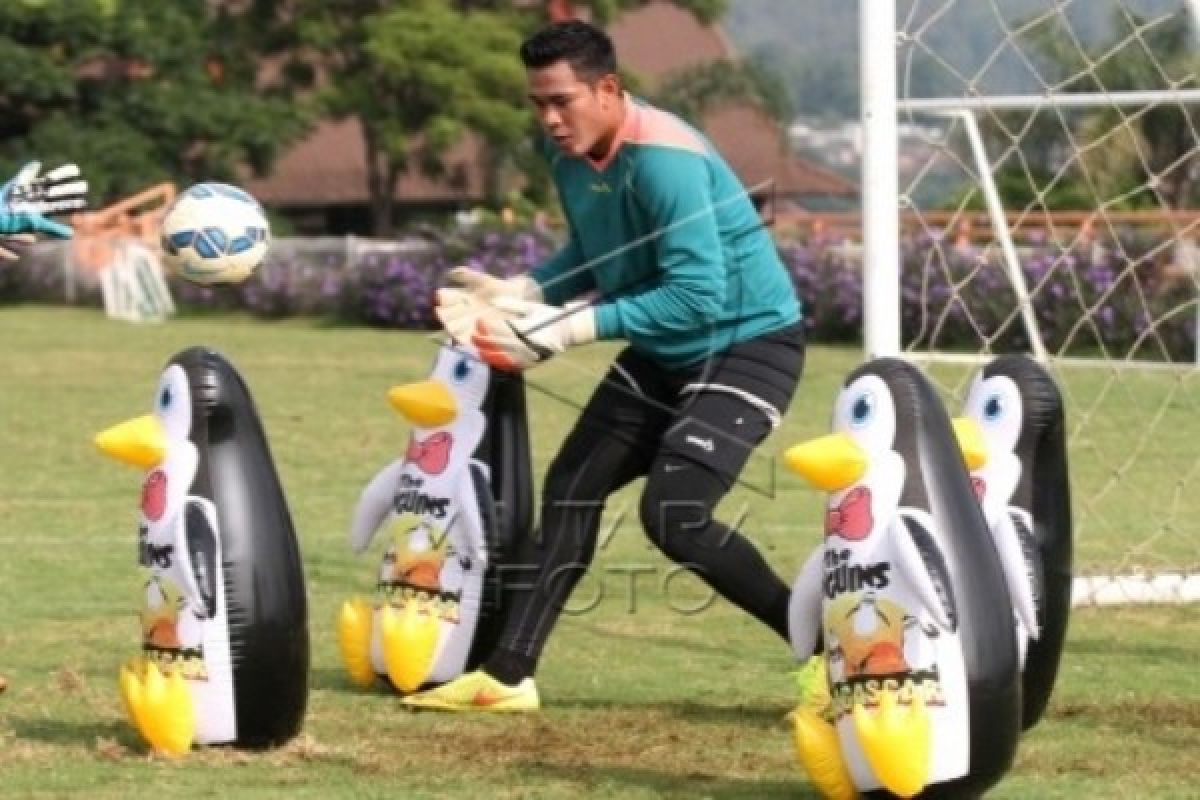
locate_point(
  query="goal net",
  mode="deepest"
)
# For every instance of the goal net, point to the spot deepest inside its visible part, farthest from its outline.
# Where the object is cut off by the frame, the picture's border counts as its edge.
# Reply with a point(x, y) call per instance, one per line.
point(1046, 159)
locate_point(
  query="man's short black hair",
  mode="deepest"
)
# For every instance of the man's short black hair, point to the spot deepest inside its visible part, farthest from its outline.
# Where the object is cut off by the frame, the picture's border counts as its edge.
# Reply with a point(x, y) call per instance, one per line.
point(585, 47)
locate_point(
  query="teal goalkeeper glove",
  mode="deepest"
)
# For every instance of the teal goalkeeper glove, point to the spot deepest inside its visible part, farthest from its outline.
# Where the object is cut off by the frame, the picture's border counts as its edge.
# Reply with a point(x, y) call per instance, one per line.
point(28, 197)
point(532, 332)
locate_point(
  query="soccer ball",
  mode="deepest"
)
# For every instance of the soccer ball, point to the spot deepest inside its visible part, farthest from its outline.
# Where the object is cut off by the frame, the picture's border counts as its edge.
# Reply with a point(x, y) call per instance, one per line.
point(214, 233)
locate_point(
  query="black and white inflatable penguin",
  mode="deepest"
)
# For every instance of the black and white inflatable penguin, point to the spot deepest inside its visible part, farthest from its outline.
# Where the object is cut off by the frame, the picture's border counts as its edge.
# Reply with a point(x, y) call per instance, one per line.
point(1013, 436)
point(908, 600)
point(452, 506)
point(224, 622)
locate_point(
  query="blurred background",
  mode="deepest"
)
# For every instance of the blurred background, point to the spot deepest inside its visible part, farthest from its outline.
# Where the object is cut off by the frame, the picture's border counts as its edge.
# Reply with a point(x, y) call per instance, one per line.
point(389, 140)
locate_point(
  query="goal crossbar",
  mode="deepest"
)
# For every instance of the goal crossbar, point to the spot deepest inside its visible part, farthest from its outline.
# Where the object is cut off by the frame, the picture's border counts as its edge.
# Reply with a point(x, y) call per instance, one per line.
point(1032, 102)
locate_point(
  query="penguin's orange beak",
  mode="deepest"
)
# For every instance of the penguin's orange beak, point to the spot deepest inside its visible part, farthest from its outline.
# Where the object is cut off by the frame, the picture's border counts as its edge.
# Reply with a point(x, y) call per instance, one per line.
point(971, 442)
point(427, 404)
point(139, 442)
point(829, 463)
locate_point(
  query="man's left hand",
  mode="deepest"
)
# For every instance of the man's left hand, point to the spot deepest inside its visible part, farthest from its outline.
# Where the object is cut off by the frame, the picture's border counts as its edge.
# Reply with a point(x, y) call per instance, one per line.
point(532, 333)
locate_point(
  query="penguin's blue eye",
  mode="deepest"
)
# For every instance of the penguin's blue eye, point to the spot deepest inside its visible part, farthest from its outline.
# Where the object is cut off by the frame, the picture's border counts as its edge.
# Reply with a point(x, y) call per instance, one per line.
point(164, 398)
point(993, 408)
point(462, 370)
point(862, 410)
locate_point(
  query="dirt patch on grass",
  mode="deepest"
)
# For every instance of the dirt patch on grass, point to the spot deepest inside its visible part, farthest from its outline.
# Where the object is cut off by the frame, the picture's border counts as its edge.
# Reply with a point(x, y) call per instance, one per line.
point(1126, 713)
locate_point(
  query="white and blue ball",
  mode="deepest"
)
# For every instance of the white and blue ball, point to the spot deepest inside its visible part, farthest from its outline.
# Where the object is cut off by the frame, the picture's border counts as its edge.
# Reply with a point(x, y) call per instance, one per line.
point(215, 233)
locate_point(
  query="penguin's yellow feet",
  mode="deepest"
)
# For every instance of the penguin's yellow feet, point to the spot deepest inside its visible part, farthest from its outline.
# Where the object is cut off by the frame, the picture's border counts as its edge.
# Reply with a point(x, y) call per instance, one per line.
point(477, 691)
point(896, 742)
point(354, 640)
point(159, 706)
point(816, 740)
point(410, 640)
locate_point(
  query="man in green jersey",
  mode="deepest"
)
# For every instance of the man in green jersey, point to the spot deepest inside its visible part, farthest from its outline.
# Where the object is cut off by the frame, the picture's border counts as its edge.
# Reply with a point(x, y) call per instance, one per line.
point(666, 252)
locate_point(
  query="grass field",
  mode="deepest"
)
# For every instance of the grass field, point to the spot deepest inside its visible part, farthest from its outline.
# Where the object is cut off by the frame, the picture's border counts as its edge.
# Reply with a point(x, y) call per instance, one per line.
point(642, 700)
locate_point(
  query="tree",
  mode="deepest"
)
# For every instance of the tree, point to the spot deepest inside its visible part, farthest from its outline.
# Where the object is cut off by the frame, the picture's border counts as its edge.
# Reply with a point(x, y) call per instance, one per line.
point(420, 74)
point(1148, 157)
point(135, 91)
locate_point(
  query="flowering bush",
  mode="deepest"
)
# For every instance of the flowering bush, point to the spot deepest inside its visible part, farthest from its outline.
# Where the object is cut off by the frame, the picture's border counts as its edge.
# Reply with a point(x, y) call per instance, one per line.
point(388, 286)
point(1118, 298)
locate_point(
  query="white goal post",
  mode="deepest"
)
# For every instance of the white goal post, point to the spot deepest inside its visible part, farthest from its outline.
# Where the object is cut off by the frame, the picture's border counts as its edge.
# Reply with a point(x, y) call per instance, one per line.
point(1131, 400)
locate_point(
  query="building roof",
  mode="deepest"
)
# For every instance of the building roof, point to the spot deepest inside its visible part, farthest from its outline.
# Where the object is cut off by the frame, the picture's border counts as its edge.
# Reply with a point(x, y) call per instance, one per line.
point(660, 38)
point(754, 146)
point(329, 166)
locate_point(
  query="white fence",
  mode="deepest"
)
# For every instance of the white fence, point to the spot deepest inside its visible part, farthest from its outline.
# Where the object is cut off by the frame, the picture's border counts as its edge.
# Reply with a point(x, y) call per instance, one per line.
point(51, 272)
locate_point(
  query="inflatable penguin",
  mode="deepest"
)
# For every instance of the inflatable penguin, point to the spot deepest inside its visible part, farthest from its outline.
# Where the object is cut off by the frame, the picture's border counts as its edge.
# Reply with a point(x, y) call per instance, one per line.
point(1013, 436)
point(450, 509)
point(906, 597)
point(224, 621)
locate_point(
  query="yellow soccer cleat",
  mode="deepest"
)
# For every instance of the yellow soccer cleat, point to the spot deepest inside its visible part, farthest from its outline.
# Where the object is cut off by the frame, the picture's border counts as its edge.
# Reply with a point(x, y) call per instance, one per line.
point(896, 742)
point(354, 640)
point(477, 691)
point(160, 707)
point(410, 640)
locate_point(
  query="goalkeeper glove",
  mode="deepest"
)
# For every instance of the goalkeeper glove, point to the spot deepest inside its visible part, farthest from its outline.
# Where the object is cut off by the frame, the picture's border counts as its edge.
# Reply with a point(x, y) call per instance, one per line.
point(459, 310)
point(28, 197)
point(487, 288)
point(532, 332)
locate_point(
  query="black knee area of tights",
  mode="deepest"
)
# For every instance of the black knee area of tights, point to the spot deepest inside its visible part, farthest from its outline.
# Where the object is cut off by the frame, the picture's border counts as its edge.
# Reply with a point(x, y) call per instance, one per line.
point(676, 509)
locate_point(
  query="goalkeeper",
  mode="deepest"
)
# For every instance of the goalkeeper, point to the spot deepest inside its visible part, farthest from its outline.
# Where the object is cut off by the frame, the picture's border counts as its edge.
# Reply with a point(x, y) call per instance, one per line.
point(24, 203)
point(665, 241)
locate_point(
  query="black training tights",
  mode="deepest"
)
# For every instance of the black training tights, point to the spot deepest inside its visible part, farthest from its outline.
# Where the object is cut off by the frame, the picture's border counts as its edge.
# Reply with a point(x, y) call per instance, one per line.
point(676, 513)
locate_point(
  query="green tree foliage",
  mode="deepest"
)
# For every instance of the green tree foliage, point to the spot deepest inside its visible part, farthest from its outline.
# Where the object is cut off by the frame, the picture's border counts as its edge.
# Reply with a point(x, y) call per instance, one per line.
point(139, 91)
point(420, 74)
point(1149, 157)
point(417, 75)
point(814, 44)
point(135, 91)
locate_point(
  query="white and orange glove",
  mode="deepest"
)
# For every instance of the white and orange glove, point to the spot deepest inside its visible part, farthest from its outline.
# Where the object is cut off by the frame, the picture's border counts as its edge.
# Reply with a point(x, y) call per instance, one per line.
point(487, 287)
point(527, 333)
point(458, 311)
point(471, 295)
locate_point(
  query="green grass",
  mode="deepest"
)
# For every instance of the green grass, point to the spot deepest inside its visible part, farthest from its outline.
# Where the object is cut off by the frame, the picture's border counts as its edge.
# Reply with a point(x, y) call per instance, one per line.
point(647, 702)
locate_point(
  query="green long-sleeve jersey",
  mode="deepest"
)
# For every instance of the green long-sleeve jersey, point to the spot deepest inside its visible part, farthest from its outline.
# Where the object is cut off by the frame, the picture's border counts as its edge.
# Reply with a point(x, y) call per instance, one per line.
point(666, 235)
